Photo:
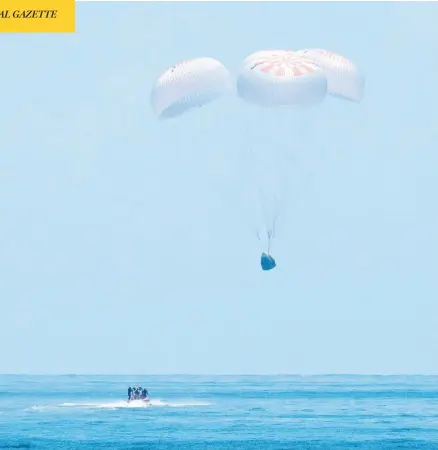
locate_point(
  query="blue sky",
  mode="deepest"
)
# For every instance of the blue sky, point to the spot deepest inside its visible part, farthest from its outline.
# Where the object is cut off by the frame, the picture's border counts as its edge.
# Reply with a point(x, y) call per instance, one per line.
point(125, 246)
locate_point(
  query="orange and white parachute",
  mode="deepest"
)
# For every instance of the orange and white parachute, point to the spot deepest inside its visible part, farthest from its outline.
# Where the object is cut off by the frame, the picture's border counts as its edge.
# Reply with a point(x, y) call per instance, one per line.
point(273, 78)
point(344, 79)
point(189, 84)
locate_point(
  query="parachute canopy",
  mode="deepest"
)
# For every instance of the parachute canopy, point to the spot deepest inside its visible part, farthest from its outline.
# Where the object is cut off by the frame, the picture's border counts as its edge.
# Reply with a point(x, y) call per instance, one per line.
point(344, 79)
point(267, 262)
point(189, 84)
point(273, 78)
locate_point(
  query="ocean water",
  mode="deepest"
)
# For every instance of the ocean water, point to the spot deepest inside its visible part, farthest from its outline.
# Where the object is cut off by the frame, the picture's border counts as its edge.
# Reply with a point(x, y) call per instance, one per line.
point(223, 412)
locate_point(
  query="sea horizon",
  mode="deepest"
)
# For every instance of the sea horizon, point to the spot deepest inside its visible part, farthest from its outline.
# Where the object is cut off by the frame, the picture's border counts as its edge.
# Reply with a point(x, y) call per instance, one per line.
point(225, 374)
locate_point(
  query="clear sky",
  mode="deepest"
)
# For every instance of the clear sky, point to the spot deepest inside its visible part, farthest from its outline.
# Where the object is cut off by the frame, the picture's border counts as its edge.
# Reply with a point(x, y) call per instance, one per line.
point(124, 241)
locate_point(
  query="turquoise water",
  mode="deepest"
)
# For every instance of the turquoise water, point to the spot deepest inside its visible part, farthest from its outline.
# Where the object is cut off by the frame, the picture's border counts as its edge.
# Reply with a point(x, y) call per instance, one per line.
point(223, 412)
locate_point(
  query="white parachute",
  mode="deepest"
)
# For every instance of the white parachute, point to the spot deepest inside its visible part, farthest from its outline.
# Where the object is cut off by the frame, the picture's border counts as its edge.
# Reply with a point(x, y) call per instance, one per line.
point(281, 78)
point(189, 84)
point(344, 79)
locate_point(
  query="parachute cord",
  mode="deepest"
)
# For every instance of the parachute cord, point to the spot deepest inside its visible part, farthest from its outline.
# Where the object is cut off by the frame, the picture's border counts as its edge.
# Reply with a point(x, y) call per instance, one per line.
point(269, 241)
point(278, 200)
point(260, 195)
point(271, 234)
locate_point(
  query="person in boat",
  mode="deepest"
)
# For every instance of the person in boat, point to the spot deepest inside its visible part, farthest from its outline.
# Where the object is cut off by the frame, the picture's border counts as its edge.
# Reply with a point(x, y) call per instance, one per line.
point(138, 393)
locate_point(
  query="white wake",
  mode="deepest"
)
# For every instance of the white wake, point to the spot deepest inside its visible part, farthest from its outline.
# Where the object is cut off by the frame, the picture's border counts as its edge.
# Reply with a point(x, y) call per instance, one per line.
point(124, 404)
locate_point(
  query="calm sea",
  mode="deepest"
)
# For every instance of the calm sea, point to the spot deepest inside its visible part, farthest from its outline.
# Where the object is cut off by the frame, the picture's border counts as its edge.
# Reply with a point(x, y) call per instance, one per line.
point(219, 412)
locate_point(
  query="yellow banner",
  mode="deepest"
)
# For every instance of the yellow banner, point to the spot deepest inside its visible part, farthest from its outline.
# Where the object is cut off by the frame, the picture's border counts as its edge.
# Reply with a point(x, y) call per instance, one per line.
point(37, 16)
